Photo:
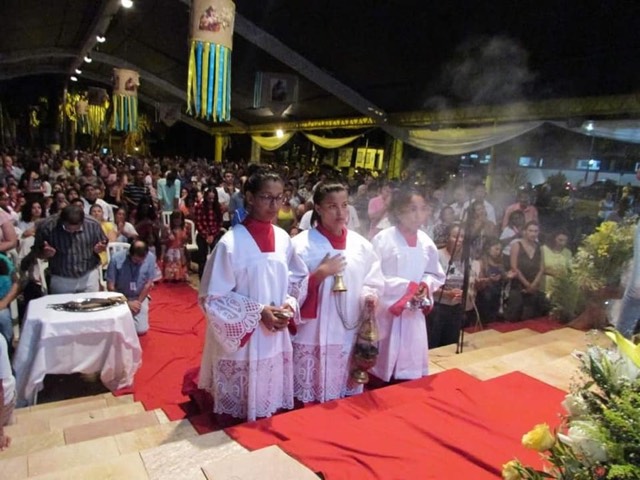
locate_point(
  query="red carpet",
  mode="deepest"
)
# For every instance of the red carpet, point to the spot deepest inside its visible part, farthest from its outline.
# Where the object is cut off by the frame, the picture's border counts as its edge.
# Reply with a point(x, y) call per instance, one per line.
point(540, 325)
point(445, 426)
point(172, 346)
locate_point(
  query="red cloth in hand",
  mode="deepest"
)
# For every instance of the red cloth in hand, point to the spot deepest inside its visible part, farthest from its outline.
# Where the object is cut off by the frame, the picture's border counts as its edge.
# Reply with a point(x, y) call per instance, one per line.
point(397, 308)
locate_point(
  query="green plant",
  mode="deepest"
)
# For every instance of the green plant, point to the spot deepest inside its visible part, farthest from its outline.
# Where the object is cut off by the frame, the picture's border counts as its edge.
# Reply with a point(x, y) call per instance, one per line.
point(598, 264)
point(600, 435)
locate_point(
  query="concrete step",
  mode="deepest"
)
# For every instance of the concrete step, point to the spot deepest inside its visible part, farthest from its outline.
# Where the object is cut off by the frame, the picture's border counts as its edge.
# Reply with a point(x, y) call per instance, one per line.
point(31, 443)
point(90, 416)
point(469, 357)
point(534, 356)
point(37, 421)
point(64, 457)
point(478, 340)
point(151, 437)
point(14, 468)
point(561, 373)
point(124, 467)
point(93, 403)
point(270, 463)
point(110, 426)
point(182, 460)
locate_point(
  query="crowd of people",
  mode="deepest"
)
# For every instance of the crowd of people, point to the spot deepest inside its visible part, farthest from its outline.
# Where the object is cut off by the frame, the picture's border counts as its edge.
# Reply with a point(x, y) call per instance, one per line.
point(268, 244)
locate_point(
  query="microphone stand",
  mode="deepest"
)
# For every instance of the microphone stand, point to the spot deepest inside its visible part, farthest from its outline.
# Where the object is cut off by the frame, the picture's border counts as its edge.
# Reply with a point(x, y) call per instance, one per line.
point(466, 266)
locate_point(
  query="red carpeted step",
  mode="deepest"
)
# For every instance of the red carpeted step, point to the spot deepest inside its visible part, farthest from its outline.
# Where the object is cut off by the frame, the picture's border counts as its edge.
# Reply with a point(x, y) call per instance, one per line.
point(172, 346)
point(448, 426)
point(332, 415)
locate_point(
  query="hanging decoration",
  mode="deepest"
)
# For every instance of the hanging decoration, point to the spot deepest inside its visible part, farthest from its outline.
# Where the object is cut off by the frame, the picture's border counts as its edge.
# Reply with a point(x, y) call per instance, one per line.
point(125, 99)
point(98, 104)
point(209, 77)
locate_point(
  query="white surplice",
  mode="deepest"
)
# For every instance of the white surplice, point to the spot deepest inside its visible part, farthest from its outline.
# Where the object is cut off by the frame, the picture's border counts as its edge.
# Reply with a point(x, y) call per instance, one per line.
point(403, 339)
point(254, 380)
point(323, 345)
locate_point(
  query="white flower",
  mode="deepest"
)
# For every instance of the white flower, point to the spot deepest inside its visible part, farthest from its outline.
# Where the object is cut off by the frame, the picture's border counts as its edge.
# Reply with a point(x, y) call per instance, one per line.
point(574, 405)
point(581, 439)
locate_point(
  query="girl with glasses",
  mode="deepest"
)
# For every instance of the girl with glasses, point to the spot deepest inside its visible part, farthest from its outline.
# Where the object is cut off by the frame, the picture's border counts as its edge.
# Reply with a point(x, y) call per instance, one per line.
point(248, 293)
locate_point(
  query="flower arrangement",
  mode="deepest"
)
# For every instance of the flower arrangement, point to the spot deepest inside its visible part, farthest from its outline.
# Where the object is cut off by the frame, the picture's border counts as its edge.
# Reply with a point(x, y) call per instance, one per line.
point(599, 437)
point(598, 264)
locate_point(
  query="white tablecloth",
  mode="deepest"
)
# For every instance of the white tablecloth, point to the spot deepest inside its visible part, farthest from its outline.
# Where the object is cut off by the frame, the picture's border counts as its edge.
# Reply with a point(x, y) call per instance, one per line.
point(55, 342)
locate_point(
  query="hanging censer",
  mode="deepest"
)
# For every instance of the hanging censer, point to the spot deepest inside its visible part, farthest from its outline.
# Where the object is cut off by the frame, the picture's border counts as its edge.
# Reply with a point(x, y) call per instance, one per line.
point(365, 353)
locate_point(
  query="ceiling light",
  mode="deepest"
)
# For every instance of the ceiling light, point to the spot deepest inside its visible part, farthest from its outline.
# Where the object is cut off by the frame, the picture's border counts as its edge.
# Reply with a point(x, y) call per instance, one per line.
point(78, 71)
point(87, 59)
point(74, 78)
point(126, 3)
point(279, 133)
point(101, 38)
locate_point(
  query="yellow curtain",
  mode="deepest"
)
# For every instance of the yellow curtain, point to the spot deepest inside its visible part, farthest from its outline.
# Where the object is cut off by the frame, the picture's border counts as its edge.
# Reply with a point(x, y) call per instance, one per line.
point(330, 142)
point(272, 143)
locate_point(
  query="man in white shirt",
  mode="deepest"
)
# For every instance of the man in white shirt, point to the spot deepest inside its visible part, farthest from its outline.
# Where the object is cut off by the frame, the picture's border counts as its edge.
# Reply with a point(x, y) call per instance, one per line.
point(480, 195)
point(90, 197)
point(224, 196)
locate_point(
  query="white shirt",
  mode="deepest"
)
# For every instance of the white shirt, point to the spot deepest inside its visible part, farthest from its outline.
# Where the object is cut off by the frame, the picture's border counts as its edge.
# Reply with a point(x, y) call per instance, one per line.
point(491, 212)
point(107, 211)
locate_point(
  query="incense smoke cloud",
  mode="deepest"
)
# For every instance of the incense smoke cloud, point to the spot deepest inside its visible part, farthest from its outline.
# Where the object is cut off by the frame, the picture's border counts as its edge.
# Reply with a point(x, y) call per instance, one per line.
point(483, 71)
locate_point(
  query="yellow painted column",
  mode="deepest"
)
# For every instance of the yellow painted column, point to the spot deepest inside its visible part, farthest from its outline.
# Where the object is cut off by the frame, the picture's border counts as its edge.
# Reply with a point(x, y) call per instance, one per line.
point(255, 152)
point(218, 148)
point(395, 158)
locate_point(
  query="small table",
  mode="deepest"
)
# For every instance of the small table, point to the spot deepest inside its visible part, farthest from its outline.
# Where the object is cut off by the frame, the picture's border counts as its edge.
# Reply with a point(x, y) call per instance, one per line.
point(60, 342)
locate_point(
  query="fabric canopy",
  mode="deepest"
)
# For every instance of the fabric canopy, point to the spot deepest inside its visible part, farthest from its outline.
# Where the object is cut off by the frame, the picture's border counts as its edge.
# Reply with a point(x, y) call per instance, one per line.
point(622, 130)
point(325, 142)
point(456, 141)
point(272, 143)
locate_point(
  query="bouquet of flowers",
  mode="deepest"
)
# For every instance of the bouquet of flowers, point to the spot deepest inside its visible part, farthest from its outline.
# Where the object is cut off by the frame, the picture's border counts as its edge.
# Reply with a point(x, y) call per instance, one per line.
point(599, 437)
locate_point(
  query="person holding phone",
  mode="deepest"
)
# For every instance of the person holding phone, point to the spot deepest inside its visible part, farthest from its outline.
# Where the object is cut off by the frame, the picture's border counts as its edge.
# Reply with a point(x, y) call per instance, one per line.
point(72, 243)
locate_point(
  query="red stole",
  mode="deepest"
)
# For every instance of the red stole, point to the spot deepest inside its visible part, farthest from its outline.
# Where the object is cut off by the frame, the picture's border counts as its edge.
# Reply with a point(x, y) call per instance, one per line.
point(410, 237)
point(309, 308)
point(262, 233)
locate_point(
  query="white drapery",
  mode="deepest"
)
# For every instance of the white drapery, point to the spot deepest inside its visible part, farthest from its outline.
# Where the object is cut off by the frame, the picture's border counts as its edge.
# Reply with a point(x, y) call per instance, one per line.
point(456, 141)
point(621, 130)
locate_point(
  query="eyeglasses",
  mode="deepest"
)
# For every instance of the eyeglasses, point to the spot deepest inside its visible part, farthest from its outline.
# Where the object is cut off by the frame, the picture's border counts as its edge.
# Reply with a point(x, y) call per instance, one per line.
point(270, 199)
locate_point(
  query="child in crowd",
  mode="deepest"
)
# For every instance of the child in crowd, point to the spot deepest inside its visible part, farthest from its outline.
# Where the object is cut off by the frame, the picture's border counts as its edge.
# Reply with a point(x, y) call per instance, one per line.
point(490, 281)
point(175, 259)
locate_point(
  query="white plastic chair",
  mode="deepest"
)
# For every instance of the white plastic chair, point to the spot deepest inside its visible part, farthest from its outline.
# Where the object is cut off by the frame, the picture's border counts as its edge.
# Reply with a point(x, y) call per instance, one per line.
point(115, 247)
point(42, 266)
point(166, 218)
point(192, 246)
point(112, 249)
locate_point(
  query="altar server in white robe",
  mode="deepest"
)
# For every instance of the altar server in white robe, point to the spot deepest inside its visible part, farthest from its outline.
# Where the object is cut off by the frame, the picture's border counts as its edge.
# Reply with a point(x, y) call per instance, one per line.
point(248, 294)
point(323, 346)
point(412, 272)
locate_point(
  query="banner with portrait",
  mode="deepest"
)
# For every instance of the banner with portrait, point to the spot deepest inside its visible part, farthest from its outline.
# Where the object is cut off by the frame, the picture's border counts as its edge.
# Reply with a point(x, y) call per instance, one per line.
point(209, 68)
point(125, 99)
